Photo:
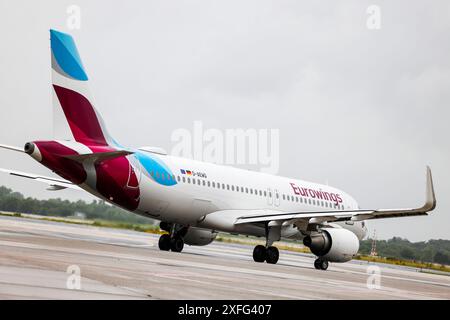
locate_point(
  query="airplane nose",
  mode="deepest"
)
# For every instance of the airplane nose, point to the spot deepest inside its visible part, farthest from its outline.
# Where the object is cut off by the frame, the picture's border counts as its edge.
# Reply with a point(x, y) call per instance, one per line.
point(32, 149)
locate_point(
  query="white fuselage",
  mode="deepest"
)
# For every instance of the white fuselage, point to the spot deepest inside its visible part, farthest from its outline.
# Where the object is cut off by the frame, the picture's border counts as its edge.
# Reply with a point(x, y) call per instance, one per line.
point(209, 188)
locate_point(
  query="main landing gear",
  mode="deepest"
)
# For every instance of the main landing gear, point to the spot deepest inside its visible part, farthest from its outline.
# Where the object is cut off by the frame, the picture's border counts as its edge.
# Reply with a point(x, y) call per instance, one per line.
point(321, 264)
point(174, 240)
point(268, 253)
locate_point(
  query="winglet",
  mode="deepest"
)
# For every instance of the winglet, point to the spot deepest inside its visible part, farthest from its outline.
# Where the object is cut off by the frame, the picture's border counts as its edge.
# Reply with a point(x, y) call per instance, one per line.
point(430, 203)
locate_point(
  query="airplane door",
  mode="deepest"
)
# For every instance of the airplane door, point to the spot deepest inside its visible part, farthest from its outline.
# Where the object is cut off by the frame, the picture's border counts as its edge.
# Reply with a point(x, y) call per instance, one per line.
point(269, 197)
point(134, 167)
point(276, 198)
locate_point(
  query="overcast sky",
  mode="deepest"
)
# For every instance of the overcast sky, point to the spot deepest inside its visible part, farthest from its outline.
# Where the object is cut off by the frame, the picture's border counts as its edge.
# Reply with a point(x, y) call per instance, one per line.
point(365, 110)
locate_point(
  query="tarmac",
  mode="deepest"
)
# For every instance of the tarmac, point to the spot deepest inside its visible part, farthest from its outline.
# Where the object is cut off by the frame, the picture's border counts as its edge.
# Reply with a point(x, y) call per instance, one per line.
point(54, 260)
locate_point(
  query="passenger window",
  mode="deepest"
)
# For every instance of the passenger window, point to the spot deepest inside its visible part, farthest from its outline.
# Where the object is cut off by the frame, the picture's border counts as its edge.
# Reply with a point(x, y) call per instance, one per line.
point(184, 179)
point(193, 180)
point(228, 187)
point(265, 194)
point(189, 180)
point(178, 178)
point(209, 184)
point(204, 182)
point(223, 186)
point(296, 199)
point(232, 188)
point(213, 185)
point(284, 197)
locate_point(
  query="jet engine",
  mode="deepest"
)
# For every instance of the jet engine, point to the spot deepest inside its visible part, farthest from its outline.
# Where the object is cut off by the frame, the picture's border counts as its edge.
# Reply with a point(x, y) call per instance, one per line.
point(333, 244)
point(199, 237)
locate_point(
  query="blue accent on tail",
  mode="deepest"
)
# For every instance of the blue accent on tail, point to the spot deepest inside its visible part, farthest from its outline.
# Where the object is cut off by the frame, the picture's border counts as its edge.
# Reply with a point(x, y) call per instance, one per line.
point(66, 54)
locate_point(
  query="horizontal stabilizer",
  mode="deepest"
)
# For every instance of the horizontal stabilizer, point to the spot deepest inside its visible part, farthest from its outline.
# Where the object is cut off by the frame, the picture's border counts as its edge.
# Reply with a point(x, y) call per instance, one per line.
point(54, 183)
point(4, 146)
point(99, 156)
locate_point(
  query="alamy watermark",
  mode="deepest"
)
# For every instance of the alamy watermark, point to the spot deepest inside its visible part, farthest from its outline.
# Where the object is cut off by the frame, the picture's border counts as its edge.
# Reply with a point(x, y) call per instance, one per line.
point(74, 17)
point(373, 21)
point(374, 277)
point(255, 147)
point(73, 281)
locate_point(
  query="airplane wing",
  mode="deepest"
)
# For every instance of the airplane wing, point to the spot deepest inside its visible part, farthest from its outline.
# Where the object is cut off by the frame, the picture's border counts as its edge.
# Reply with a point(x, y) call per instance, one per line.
point(257, 216)
point(54, 183)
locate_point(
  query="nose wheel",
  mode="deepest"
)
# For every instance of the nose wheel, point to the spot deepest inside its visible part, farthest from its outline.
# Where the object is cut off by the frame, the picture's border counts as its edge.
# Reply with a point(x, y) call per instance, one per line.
point(321, 264)
point(269, 255)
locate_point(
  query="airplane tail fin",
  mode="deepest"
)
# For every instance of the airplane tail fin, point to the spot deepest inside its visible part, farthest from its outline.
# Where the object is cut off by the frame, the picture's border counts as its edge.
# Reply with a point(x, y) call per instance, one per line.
point(74, 116)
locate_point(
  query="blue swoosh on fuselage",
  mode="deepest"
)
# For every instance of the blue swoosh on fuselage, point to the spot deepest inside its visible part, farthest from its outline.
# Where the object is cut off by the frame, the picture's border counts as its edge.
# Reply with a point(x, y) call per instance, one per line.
point(152, 164)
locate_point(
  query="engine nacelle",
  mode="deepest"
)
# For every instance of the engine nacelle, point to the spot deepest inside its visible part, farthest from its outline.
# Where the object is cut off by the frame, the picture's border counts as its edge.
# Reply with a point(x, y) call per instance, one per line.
point(199, 237)
point(333, 244)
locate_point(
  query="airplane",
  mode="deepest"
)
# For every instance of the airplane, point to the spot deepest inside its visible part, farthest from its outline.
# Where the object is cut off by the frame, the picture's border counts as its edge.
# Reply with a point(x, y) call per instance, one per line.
point(193, 200)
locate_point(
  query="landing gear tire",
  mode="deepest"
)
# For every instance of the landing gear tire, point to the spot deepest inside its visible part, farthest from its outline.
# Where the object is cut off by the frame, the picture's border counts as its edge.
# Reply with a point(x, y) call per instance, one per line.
point(320, 264)
point(272, 255)
point(259, 253)
point(176, 244)
point(164, 242)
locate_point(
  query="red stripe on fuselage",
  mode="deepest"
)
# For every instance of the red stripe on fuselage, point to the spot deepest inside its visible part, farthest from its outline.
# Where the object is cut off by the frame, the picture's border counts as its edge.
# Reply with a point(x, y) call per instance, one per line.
point(81, 117)
point(53, 158)
point(116, 182)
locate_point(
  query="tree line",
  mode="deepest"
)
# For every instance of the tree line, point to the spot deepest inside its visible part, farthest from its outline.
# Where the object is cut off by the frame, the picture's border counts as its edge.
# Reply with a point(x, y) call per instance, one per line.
point(434, 251)
point(98, 209)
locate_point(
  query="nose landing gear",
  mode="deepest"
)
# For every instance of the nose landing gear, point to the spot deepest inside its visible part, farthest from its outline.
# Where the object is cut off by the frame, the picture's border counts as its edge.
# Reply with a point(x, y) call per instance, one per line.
point(321, 264)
